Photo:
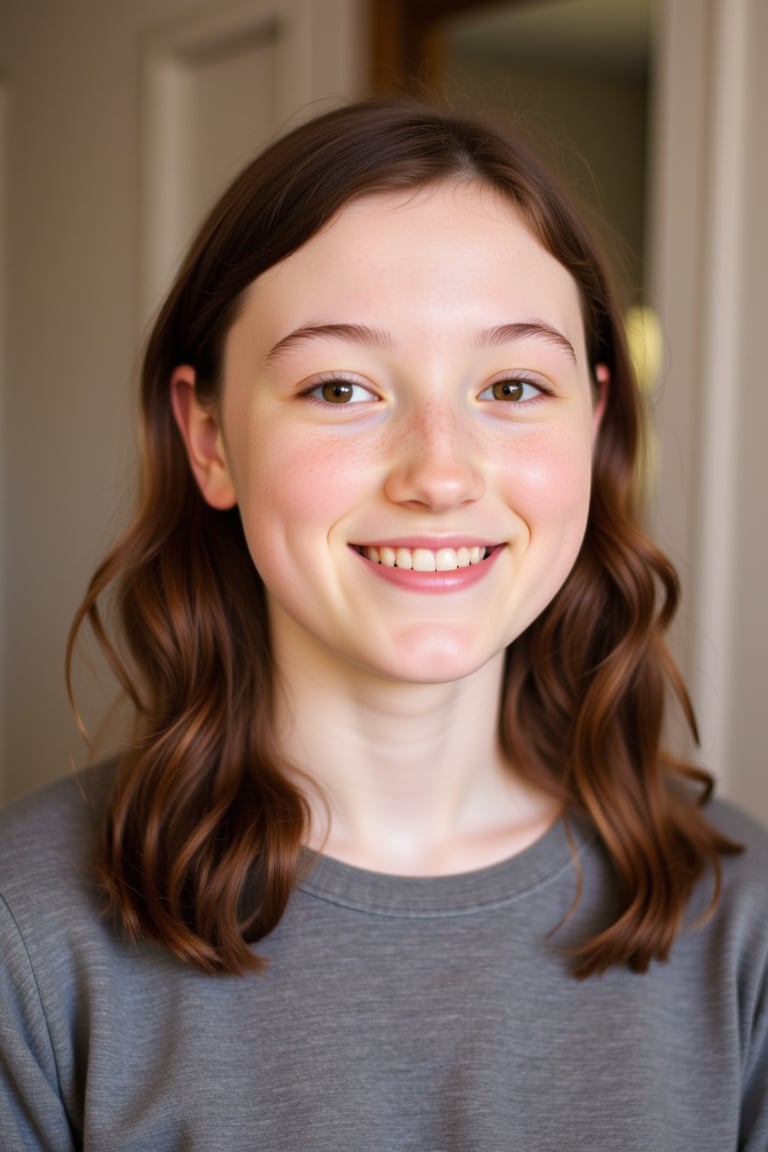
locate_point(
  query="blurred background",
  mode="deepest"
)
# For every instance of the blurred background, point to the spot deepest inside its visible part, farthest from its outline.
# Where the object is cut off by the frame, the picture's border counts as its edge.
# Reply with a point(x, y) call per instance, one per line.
point(120, 122)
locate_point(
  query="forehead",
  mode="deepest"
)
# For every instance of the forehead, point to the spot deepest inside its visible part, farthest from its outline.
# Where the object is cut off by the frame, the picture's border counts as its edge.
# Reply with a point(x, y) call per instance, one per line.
point(453, 254)
point(456, 215)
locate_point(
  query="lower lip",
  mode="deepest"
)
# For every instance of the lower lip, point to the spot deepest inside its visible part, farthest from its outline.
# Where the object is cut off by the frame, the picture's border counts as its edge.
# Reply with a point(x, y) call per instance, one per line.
point(454, 581)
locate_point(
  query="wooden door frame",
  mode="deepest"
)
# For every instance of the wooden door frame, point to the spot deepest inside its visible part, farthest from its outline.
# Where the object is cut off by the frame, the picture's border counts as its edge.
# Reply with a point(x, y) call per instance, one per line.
point(406, 50)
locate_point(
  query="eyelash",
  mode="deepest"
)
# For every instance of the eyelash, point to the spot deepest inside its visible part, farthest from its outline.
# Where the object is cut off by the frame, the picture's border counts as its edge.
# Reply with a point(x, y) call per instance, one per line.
point(338, 381)
point(516, 382)
point(314, 393)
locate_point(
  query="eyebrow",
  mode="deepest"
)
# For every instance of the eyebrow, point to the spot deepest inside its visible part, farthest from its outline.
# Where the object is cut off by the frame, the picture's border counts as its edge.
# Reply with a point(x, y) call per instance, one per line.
point(353, 333)
point(524, 330)
point(377, 338)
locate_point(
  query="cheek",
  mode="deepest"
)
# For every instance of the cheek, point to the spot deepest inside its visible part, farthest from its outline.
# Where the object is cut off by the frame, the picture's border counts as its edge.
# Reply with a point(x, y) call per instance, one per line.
point(549, 477)
point(293, 486)
point(548, 489)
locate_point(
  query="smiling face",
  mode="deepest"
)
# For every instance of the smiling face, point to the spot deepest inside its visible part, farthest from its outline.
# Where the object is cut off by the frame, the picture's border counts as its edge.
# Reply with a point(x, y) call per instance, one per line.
point(406, 423)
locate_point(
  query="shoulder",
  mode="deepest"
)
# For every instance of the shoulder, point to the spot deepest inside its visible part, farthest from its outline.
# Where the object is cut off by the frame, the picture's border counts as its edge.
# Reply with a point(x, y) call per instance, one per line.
point(48, 839)
point(752, 863)
point(733, 819)
point(740, 918)
point(744, 873)
point(59, 958)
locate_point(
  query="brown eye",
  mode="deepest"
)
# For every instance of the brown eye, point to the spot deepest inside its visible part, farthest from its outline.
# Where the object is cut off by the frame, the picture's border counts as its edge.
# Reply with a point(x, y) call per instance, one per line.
point(340, 392)
point(514, 391)
point(508, 390)
point(337, 391)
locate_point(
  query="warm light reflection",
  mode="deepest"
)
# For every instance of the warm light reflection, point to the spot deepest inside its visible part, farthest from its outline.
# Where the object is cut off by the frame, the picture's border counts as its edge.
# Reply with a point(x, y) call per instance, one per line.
point(644, 337)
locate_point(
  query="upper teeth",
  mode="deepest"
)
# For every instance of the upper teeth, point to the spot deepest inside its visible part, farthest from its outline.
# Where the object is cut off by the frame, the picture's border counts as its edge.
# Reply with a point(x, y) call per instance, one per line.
point(425, 559)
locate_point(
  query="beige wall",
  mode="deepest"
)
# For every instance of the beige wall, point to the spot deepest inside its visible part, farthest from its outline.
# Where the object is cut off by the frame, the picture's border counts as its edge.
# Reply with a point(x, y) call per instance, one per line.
point(71, 77)
point(710, 233)
point(3, 416)
point(748, 691)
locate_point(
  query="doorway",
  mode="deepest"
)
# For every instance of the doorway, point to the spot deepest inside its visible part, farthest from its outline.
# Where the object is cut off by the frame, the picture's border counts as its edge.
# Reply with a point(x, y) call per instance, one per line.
point(575, 75)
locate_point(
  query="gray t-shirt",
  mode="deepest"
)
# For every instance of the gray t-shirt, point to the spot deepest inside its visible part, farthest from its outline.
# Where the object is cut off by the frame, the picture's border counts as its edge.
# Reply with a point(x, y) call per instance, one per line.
point(396, 1015)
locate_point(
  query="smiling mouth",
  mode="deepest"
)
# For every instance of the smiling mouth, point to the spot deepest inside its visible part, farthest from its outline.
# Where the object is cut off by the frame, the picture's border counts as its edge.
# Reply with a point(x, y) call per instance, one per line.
point(426, 559)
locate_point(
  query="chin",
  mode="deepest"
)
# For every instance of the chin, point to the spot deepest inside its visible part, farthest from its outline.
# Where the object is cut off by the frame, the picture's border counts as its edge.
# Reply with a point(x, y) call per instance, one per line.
point(433, 658)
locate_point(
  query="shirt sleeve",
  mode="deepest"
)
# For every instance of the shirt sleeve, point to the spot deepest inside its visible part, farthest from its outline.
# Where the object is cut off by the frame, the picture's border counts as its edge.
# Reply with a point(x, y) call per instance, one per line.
point(753, 1135)
point(33, 1117)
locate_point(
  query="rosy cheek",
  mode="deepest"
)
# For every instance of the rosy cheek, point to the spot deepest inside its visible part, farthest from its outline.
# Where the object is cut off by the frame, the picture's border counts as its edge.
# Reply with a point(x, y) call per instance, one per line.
point(548, 475)
point(301, 478)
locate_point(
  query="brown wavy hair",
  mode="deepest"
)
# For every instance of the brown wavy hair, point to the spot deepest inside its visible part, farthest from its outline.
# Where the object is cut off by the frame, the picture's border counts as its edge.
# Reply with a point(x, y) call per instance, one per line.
point(202, 839)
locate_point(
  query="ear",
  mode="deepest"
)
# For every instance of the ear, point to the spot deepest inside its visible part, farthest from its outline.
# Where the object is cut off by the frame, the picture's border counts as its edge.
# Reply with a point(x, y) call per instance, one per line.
point(200, 431)
point(603, 380)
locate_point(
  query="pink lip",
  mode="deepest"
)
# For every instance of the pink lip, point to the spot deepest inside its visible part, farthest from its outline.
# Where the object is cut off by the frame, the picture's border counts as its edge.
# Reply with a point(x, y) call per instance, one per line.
point(432, 582)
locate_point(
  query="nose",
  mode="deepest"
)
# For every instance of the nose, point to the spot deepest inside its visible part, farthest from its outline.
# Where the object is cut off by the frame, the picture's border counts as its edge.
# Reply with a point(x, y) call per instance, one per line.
point(434, 463)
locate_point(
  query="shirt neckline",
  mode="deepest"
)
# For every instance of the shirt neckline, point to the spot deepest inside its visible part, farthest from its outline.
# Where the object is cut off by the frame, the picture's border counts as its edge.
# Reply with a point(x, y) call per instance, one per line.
point(463, 893)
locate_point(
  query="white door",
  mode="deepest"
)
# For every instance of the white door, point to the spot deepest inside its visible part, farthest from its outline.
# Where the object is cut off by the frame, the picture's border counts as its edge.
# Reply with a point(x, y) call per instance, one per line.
point(122, 122)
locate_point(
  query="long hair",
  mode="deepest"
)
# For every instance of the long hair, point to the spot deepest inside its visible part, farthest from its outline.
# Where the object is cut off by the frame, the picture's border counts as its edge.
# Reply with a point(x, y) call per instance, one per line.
point(203, 832)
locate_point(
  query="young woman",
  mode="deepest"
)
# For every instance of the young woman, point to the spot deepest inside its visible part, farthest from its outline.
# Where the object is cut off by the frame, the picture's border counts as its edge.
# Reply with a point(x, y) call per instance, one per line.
point(395, 860)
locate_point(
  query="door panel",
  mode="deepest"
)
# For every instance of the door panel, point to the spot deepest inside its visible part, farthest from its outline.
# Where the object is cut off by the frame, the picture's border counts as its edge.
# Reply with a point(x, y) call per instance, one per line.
point(217, 87)
point(123, 120)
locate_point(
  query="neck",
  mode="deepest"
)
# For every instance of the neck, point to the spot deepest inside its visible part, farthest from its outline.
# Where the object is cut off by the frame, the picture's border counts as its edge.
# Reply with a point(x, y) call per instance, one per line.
point(406, 778)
